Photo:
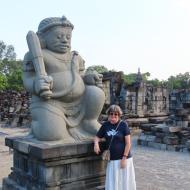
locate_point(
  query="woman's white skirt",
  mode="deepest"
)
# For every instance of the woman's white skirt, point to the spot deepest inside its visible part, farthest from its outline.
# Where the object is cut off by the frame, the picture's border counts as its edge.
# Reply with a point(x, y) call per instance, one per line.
point(120, 179)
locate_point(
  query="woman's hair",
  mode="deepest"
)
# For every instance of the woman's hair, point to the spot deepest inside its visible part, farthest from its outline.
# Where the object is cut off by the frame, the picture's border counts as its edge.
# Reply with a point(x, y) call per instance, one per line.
point(114, 108)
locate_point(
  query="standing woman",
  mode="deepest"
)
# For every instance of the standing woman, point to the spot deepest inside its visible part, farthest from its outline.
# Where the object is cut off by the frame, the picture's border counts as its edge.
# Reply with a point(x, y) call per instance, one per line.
point(120, 174)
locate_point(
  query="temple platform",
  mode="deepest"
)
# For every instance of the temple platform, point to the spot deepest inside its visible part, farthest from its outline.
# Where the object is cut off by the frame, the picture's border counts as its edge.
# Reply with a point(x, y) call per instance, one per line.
point(53, 166)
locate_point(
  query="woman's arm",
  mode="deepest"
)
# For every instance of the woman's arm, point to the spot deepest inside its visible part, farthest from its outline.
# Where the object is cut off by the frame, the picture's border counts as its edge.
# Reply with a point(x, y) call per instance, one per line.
point(127, 145)
point(96, 145)
point(126, 151)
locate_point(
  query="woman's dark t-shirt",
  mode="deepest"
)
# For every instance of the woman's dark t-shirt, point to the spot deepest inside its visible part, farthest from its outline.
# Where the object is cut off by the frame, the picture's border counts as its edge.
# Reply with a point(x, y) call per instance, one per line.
point(117, 147)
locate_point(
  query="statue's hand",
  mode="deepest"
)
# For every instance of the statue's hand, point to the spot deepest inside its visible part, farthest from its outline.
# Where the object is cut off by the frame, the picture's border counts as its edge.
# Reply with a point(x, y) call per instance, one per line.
point(43, 86)
point(93, 79)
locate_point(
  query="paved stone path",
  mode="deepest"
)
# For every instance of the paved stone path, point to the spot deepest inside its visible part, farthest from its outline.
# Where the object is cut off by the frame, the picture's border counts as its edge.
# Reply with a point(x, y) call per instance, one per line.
point(155, 169)
point(5, 154)
point(161, 170)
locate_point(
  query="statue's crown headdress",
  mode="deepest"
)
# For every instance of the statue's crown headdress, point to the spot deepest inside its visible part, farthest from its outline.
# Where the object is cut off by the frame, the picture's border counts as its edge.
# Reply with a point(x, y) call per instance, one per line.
point(54, 21)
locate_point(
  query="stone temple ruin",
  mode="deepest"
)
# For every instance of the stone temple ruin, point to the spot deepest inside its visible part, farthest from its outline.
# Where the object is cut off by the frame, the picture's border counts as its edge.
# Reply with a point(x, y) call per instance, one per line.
point(136, 100)
point(174, 132)
point(139, 101)
point(163, 116)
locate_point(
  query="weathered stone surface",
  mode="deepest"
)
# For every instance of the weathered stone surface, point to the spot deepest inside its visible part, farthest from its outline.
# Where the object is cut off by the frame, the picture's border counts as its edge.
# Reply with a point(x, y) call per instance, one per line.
point(158, 140)
point(42, 166)
point(171, 140)
point(157, 145)
point(174, 129)
point(66, 101)
point(147, 127)
point(157, 120)
point(171, 147)
point(151, 138)
point(160, 134)
point(160, 128)
point(188, 144)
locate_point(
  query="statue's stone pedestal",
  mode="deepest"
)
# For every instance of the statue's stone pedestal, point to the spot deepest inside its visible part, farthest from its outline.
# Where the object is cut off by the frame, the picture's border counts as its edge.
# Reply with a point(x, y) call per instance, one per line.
point(42, 166)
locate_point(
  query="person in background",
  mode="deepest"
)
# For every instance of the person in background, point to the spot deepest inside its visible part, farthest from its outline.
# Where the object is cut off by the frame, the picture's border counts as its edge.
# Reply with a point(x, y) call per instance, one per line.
point(120, 174)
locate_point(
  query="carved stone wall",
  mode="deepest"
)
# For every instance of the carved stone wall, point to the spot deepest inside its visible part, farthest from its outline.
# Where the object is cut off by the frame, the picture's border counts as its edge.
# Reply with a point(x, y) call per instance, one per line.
point(136, 100)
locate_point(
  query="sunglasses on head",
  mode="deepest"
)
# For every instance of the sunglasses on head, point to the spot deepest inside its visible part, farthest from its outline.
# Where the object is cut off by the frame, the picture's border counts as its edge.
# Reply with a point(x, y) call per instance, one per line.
point(112, 113)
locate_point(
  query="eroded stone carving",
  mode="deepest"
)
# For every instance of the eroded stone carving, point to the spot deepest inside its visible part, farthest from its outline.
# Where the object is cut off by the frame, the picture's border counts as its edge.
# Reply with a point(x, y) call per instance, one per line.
point(65, 102)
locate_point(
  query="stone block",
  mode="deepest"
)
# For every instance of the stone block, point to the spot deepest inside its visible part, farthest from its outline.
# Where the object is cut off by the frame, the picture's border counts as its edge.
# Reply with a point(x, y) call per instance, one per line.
point(188, 144)
point(171, 140)
point(142, 142)
point(147, 126)
point(163, 147)
point(158, 140)
point(154, 145)
point(151, 138)
point(185, 149)
point(142, 137)
point(42, 166)
point(171, 147)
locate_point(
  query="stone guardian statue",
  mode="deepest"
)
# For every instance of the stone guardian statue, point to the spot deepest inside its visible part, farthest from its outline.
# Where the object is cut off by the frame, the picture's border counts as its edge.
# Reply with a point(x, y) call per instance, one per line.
point(65, 102)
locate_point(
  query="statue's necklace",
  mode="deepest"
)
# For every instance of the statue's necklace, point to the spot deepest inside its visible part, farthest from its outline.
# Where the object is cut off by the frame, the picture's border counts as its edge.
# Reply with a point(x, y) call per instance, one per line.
point(65, 58)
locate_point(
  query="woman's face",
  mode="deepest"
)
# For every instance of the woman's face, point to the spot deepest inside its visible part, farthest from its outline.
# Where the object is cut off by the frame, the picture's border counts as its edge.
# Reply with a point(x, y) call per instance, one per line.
point(113, 117)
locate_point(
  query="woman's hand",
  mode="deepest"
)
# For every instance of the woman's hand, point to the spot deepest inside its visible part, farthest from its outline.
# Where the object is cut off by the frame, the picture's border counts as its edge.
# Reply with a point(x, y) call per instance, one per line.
point(96, 148)
point(123, 162)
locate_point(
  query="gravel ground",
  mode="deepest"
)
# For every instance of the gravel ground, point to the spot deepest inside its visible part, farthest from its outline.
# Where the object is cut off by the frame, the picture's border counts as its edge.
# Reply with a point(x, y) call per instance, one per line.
point(155, 169)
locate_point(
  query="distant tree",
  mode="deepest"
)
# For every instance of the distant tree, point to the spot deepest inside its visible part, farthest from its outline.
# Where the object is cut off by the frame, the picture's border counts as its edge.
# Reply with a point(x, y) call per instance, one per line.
point(180, 81)
point(10, 68)
point(7, 58)
point(14, 80)
point(155, 82)
point(7, 52)
point(3, 82)
point(131, 77)
point(145, 76)
point(98, 68)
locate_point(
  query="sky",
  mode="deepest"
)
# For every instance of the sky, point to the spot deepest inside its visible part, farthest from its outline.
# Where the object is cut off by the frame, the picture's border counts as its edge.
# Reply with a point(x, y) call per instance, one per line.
point(122, 35)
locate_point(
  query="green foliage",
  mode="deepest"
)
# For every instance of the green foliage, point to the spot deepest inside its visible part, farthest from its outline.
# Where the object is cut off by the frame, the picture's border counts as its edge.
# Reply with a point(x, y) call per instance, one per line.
point(145, 76)
point(10, 69)
point(132, 77)
point(155, 82)
point(3, 82)
point(98, 68)
point(9, 66)
point(11, 77)
point(7, 52)
point(180, 81)
point(14, 80)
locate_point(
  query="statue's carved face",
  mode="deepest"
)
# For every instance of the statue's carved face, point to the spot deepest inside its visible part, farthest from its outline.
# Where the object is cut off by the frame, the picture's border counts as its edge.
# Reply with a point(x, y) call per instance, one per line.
point(58, 39)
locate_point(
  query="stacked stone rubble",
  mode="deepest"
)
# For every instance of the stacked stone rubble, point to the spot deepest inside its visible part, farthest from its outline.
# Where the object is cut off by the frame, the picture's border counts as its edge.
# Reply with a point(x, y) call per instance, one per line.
point(14, 108)
point(171, 134)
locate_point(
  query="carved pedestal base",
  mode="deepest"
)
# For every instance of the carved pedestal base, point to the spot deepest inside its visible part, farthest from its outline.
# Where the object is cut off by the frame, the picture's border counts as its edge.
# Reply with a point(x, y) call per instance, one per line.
point(41, 166)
